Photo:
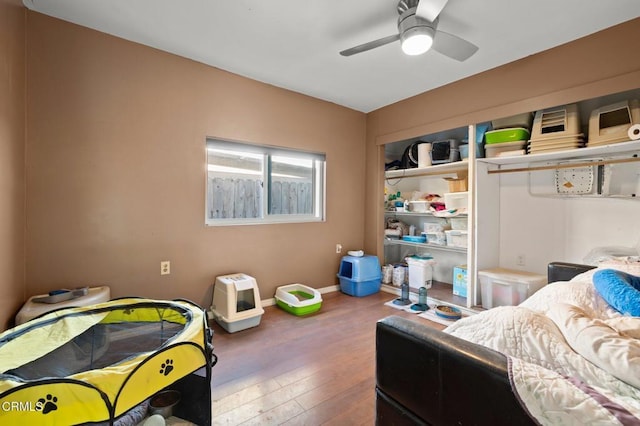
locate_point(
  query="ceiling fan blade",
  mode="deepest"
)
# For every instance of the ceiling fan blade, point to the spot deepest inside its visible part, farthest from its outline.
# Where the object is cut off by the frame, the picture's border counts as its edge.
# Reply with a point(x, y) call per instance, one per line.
point(430, 9)
point(370, 45)
point(453, 46)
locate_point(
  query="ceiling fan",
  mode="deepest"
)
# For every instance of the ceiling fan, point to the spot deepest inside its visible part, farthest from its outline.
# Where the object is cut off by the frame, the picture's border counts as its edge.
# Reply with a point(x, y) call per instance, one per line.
point(417, 32)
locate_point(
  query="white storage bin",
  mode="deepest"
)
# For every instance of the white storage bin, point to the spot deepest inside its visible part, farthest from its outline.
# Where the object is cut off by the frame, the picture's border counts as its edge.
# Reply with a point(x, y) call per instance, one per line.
point(457, 238)
point(236, 302)
point(421, 206)
point(433, 227)
point(456, 200)
point(32, 309)
point(507, 287)
point(506, 148)
point(459, 223)
point(436, 238)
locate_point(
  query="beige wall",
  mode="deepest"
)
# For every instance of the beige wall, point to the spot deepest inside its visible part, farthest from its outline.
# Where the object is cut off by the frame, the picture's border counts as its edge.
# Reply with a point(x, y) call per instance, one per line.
point(115, 149)
point(116, 170)
point(593, 66)
point(12, 159)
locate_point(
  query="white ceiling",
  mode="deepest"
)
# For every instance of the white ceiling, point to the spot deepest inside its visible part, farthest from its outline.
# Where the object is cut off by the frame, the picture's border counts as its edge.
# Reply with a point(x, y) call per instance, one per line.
point(295, 44)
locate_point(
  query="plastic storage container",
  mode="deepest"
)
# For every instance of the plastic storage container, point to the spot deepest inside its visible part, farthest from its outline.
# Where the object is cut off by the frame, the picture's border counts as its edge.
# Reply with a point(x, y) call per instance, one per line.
point(431, 227)
point(456, 200)
point(504, 287)
point(420, 206)
point(464, 150)
point(457, 238)
point(436, 238)
point(415, 238)
point(298, 299)
point(507, 135)
point(459, 223)
point(420, 271)
point(506, 148)
point(32, 309)
point(360, 276)
point(236, 302)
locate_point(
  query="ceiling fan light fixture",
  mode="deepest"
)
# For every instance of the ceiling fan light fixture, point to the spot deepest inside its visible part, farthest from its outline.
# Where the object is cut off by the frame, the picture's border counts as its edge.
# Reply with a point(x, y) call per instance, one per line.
point(417, 40)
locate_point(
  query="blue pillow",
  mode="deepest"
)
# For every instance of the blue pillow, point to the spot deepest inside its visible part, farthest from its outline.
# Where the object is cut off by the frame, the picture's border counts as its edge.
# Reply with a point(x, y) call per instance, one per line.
point(620, 290)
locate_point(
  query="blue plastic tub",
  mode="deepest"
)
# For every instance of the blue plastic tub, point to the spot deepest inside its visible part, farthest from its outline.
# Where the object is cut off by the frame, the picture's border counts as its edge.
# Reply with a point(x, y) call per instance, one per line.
point(464, 150)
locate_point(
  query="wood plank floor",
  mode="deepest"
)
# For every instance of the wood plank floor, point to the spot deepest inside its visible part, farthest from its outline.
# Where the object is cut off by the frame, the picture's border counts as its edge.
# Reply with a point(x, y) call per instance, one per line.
point(313, 370)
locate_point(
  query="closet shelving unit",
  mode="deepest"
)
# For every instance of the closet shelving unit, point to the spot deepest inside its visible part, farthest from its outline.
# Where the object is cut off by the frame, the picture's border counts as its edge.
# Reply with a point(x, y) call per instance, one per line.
point(484, 176)
point(430, 180)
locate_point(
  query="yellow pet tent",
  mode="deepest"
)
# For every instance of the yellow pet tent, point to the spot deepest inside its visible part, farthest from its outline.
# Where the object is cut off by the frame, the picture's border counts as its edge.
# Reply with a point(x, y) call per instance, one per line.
point(94, 364)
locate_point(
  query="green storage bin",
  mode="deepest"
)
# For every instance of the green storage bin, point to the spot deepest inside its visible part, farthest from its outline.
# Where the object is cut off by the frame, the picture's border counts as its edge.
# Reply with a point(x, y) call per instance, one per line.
point(507, 135)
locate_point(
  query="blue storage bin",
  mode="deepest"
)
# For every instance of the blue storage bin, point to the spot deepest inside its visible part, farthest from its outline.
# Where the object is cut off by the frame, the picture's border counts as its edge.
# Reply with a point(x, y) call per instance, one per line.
point(360, 276)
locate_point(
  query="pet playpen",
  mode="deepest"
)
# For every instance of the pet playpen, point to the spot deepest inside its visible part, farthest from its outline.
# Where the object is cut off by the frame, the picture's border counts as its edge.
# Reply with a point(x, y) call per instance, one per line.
point(95, 364)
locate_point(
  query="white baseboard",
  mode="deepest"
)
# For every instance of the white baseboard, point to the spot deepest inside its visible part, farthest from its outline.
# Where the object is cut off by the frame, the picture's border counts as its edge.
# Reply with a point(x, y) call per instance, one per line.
point(390, 289)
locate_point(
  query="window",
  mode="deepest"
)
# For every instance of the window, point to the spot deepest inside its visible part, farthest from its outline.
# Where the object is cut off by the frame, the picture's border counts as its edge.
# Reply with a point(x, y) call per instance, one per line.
point(249, 184)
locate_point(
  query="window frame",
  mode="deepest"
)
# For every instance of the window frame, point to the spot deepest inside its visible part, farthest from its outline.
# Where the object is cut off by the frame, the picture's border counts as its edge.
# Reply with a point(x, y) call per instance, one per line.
point(318, 183)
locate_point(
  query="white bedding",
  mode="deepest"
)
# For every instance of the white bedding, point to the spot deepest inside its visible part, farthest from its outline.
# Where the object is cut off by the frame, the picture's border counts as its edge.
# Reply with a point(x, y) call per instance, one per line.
point(573, 360)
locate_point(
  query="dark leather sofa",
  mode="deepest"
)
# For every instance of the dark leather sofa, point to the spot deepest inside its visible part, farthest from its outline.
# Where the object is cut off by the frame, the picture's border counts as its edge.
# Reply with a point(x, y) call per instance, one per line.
point(425, 376)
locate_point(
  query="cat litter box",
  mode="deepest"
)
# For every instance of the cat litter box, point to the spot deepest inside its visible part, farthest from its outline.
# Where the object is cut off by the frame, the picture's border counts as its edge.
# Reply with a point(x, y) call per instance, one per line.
point(610, 124)
point(298, 299)
point(236, 302)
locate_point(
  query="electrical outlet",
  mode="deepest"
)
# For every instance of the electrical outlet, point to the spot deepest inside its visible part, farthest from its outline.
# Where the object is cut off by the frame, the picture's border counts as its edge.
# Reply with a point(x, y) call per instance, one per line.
point(520, 260)
point(165, 267)
point(338, 248)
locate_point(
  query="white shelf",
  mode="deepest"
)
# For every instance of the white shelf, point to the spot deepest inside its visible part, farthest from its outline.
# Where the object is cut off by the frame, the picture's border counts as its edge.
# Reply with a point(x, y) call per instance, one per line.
point(570, 154)
point(420, 214)
point(388, 242)
point(440, 169)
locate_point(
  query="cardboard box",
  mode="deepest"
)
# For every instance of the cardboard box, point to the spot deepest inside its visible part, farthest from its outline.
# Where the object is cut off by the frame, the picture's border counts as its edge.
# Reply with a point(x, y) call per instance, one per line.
point(460, 280)
point(459, 183)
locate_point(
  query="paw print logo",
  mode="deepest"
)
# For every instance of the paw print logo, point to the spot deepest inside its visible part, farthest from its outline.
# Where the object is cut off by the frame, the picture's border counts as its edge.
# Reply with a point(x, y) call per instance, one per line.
point(48, 404)
point(166, 367)
point(127, 311)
